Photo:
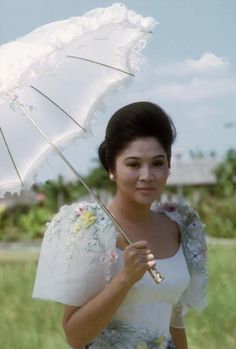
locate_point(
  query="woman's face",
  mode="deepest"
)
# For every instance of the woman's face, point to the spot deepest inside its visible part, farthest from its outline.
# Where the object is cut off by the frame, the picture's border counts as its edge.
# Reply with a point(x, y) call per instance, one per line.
point(141, 171)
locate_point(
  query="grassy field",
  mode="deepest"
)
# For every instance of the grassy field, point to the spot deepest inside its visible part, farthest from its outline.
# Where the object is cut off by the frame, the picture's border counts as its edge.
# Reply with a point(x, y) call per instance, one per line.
point(28, 324)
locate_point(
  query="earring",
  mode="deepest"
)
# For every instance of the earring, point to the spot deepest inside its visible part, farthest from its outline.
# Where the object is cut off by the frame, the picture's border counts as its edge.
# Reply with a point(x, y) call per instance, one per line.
point(111, 176)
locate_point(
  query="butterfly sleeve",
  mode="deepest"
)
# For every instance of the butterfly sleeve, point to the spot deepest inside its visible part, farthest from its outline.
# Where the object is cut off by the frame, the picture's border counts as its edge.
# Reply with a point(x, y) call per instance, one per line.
point(76, 256)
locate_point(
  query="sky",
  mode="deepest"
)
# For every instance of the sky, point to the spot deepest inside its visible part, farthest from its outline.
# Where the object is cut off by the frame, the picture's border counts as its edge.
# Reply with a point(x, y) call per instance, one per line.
point(189, 65)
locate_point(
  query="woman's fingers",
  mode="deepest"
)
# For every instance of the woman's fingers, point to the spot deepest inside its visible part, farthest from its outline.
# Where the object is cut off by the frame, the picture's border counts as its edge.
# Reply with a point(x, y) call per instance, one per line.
point(137, 260)
point(139, 244)
point(151, 263)
point(140, 252)
point(141, 248)
point(149, 256)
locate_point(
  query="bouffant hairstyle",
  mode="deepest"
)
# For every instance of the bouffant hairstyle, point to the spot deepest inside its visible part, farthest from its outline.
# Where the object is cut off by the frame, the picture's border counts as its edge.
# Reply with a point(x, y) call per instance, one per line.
point(133, 121)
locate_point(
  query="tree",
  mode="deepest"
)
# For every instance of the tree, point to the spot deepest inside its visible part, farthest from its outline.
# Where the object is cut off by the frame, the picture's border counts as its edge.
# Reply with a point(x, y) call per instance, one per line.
point(226, 174)
point(217, 208)
point(99, 179)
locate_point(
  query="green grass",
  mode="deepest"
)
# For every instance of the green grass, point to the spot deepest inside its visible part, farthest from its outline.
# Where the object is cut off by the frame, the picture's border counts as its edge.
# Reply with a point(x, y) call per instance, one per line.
point(215, 326)
point(30, 324)
point(26, 323)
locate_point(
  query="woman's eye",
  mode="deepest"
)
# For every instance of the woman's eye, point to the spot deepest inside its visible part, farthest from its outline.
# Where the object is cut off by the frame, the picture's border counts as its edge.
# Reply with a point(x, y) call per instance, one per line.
point(133, 164)
point(158, 163)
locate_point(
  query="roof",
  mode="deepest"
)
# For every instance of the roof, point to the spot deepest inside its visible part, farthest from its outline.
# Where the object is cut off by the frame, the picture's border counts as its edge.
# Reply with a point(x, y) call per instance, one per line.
point(193, 172)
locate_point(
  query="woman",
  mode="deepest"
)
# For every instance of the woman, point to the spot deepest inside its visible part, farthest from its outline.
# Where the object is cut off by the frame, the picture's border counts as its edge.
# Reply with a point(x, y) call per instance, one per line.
point(110, 300)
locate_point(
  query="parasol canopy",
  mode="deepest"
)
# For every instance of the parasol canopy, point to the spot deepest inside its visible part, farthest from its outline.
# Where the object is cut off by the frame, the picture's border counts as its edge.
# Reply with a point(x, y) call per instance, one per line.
point(52, 81)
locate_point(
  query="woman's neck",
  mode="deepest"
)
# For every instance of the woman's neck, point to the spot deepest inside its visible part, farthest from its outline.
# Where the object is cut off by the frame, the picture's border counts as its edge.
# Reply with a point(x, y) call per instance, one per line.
point(129, 211)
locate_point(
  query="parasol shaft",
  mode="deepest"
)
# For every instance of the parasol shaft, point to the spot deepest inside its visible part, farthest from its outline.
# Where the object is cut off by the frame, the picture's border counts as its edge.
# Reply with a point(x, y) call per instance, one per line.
point(58, 106)
point(10, 154)
point(99, 63)
point(156, 275)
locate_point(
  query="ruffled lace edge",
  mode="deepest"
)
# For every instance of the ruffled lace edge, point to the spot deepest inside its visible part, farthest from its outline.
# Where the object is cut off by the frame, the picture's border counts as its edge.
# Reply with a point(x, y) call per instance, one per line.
point(55, 36)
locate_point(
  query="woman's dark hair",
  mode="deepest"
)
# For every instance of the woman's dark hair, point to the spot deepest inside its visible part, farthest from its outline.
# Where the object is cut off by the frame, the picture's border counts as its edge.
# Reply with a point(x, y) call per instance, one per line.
point(136, 120)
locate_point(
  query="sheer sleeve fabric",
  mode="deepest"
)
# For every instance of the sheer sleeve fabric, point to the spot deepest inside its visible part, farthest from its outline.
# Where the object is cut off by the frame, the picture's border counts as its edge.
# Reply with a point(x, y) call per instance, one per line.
point(177, 317)
point(76, 256)
point(193, 239)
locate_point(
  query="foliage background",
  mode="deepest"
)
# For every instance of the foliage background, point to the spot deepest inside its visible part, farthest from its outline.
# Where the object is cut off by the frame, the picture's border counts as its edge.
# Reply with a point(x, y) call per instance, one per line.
point(216, 204)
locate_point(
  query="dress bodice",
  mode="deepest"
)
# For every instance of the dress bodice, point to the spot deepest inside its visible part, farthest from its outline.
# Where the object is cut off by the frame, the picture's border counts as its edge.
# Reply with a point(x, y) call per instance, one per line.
point(148, 304)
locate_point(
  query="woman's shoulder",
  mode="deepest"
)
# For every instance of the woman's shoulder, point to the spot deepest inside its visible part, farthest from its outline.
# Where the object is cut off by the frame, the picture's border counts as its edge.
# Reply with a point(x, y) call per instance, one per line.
point(75, 210)
point(192, 232)
point(181, 213)
point(83, 213)
point(80, 226)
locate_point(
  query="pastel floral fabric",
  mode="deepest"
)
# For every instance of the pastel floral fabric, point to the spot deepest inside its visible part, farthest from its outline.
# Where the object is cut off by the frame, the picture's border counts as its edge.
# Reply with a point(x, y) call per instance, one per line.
point(90, 218)
point(119, 334)
point(86, 224)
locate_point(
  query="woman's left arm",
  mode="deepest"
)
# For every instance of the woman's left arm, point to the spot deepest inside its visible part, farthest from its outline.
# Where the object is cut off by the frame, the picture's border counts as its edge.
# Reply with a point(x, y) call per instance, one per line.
point(179, 337)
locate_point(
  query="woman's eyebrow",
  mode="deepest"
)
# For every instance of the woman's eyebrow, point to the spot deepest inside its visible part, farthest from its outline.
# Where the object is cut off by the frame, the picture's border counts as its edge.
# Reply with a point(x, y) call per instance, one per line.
point(160, 156)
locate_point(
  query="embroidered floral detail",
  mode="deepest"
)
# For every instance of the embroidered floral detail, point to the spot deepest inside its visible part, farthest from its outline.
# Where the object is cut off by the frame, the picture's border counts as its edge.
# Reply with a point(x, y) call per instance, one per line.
point(170, 345)
point(141, 345)
point(117, 335)
point(85, 226)
point(86, 222)
point(159, 343)
point(107, 260)
point(169, 207)
point(54, 227)
point(160, 340)
point(85, 219)
point(153, 339)
point(196, 253)
point(86, 216)
point(120, 334)
point(80, 208)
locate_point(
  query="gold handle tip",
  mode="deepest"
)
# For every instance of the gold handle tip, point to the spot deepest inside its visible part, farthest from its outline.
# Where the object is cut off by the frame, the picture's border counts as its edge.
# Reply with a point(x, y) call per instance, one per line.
point(156, 275)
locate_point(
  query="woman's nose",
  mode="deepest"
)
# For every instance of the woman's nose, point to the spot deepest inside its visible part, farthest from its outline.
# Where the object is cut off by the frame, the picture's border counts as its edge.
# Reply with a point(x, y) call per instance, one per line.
point(146, 173)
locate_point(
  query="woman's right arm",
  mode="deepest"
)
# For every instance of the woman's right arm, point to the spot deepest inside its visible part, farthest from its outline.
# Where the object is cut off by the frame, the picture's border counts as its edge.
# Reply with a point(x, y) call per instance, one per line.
point(82, 325)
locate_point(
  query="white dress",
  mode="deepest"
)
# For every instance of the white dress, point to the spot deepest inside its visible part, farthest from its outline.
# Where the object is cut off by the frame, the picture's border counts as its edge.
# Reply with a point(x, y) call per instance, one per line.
point(79, 257)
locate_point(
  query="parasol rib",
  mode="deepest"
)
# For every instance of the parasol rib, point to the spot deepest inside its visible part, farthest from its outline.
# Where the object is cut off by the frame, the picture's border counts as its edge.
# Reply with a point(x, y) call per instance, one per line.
point(10, 154)
point(157, 277)
point(57, 105)
point(102, 64)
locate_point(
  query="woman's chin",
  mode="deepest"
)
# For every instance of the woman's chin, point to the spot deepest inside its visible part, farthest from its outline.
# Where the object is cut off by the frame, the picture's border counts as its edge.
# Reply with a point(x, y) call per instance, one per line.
point(146, 201)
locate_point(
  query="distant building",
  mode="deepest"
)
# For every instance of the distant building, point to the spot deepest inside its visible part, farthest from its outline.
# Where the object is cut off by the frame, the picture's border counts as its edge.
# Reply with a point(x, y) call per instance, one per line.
point(24, 198)
point(193, 172)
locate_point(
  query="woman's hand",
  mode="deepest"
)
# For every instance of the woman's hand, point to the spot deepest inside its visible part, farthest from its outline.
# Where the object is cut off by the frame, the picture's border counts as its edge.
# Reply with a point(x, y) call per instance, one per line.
point(82, 325)
point(137, 260)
